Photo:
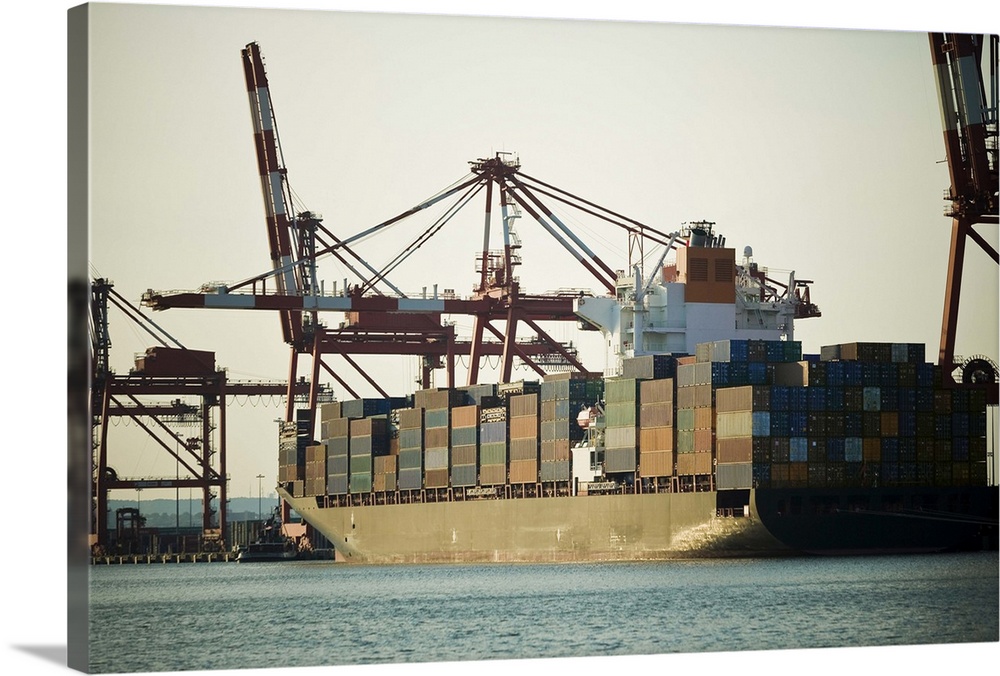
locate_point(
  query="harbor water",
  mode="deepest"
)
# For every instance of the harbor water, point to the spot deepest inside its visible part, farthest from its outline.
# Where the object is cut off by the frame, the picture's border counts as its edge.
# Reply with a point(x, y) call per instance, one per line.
point(232, 616)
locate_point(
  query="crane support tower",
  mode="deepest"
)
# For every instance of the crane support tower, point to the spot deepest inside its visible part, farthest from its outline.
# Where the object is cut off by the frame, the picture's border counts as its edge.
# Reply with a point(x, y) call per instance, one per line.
point(966, 70)
point(170, 390)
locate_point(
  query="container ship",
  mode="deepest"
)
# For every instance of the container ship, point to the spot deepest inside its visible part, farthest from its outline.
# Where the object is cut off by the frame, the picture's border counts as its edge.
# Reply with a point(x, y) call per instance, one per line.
point(710, 433)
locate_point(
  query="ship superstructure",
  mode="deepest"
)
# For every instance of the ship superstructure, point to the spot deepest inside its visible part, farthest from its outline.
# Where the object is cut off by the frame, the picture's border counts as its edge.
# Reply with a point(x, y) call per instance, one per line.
point(703, 295)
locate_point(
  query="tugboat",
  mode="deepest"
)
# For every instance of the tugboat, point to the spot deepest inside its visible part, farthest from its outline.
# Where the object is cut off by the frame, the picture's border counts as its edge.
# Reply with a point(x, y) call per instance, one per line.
point(271, 544)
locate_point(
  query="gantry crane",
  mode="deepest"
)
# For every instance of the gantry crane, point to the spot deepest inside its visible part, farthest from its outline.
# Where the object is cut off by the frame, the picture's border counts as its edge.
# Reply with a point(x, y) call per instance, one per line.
point(968, 102)
point(166, 370)
point(378, 323)
point(391, 323)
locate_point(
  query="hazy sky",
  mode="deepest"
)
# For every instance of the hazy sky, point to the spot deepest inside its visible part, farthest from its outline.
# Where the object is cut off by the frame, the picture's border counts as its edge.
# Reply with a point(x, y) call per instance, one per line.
point(824, 155)
point(821, 149)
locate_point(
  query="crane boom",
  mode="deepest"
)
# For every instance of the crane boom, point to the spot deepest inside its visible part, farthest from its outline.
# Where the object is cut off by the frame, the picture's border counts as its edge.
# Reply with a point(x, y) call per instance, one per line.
point(273, 184)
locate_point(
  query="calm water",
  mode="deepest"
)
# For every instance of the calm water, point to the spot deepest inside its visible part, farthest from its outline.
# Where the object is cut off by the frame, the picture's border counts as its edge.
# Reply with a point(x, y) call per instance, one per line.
point(228, 616)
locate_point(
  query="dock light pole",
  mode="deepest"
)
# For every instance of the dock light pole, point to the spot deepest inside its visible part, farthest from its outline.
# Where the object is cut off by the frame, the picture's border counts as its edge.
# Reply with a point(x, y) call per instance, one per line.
point(260, 514)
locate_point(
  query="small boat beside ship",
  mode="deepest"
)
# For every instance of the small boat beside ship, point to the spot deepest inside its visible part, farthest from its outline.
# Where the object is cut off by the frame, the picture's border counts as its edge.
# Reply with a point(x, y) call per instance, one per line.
point(272, 543)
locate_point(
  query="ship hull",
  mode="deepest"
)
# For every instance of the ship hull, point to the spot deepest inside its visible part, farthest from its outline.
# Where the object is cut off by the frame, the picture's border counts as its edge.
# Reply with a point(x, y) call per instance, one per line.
point(558, 529)
point(881, 520)
point(651, 527)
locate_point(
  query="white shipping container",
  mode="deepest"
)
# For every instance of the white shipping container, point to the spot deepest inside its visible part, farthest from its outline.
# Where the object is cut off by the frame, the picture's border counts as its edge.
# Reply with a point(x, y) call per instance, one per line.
point(436, 458)
point(734, 425)
point(619, 437)
point(734, 475)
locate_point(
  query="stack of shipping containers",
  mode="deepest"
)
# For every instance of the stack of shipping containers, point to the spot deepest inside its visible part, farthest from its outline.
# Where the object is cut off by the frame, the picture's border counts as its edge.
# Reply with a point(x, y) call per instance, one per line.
point(524, 433)
point(913, 432)
point(865, 414)
point(656, 433)
point(504, 391)
point(411, 449)
point(621, 414)
point(464, 446)
point(369, 438)
point(562, 397)
point(485, 394)
point(738, 414)
point(742, 373)
point(743, 432)
point(337, 455)
point(386, 466)
point(436, 447)
point(656, 428)
point(437, 422)
point(287, 454)
point(493, 446)
point(695, 423)
point(315, 474)
point(293, 439)
point(437, 405)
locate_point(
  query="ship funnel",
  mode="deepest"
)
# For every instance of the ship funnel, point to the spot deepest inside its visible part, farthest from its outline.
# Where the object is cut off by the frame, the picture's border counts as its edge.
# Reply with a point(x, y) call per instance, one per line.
point(698, 237)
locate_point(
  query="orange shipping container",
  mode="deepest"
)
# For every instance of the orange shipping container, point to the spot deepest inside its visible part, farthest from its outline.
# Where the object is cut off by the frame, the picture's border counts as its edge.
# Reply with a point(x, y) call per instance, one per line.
point(890, 424)
point(436, 478)
point(492, 475)
point(384, 464)
point(316, 452)
point(555, 450)
point(694, 463)
point(871, 449)
point(523, 471)
point(363, 427)
point(732, 399)
point(703, 441)
point(704, 418)
point(548, 410)
point(329, 411)
point(411, 418)
point(437, 437)
point(694, 396)
point(735, 450)
point(656, 439)
point(656, 391)
point(798, 473)
point(338, 427)
point(524, 404)
point(656, 464)
point(524, 427)
point(465, 416)
point(779, 474)
point(660, 414)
